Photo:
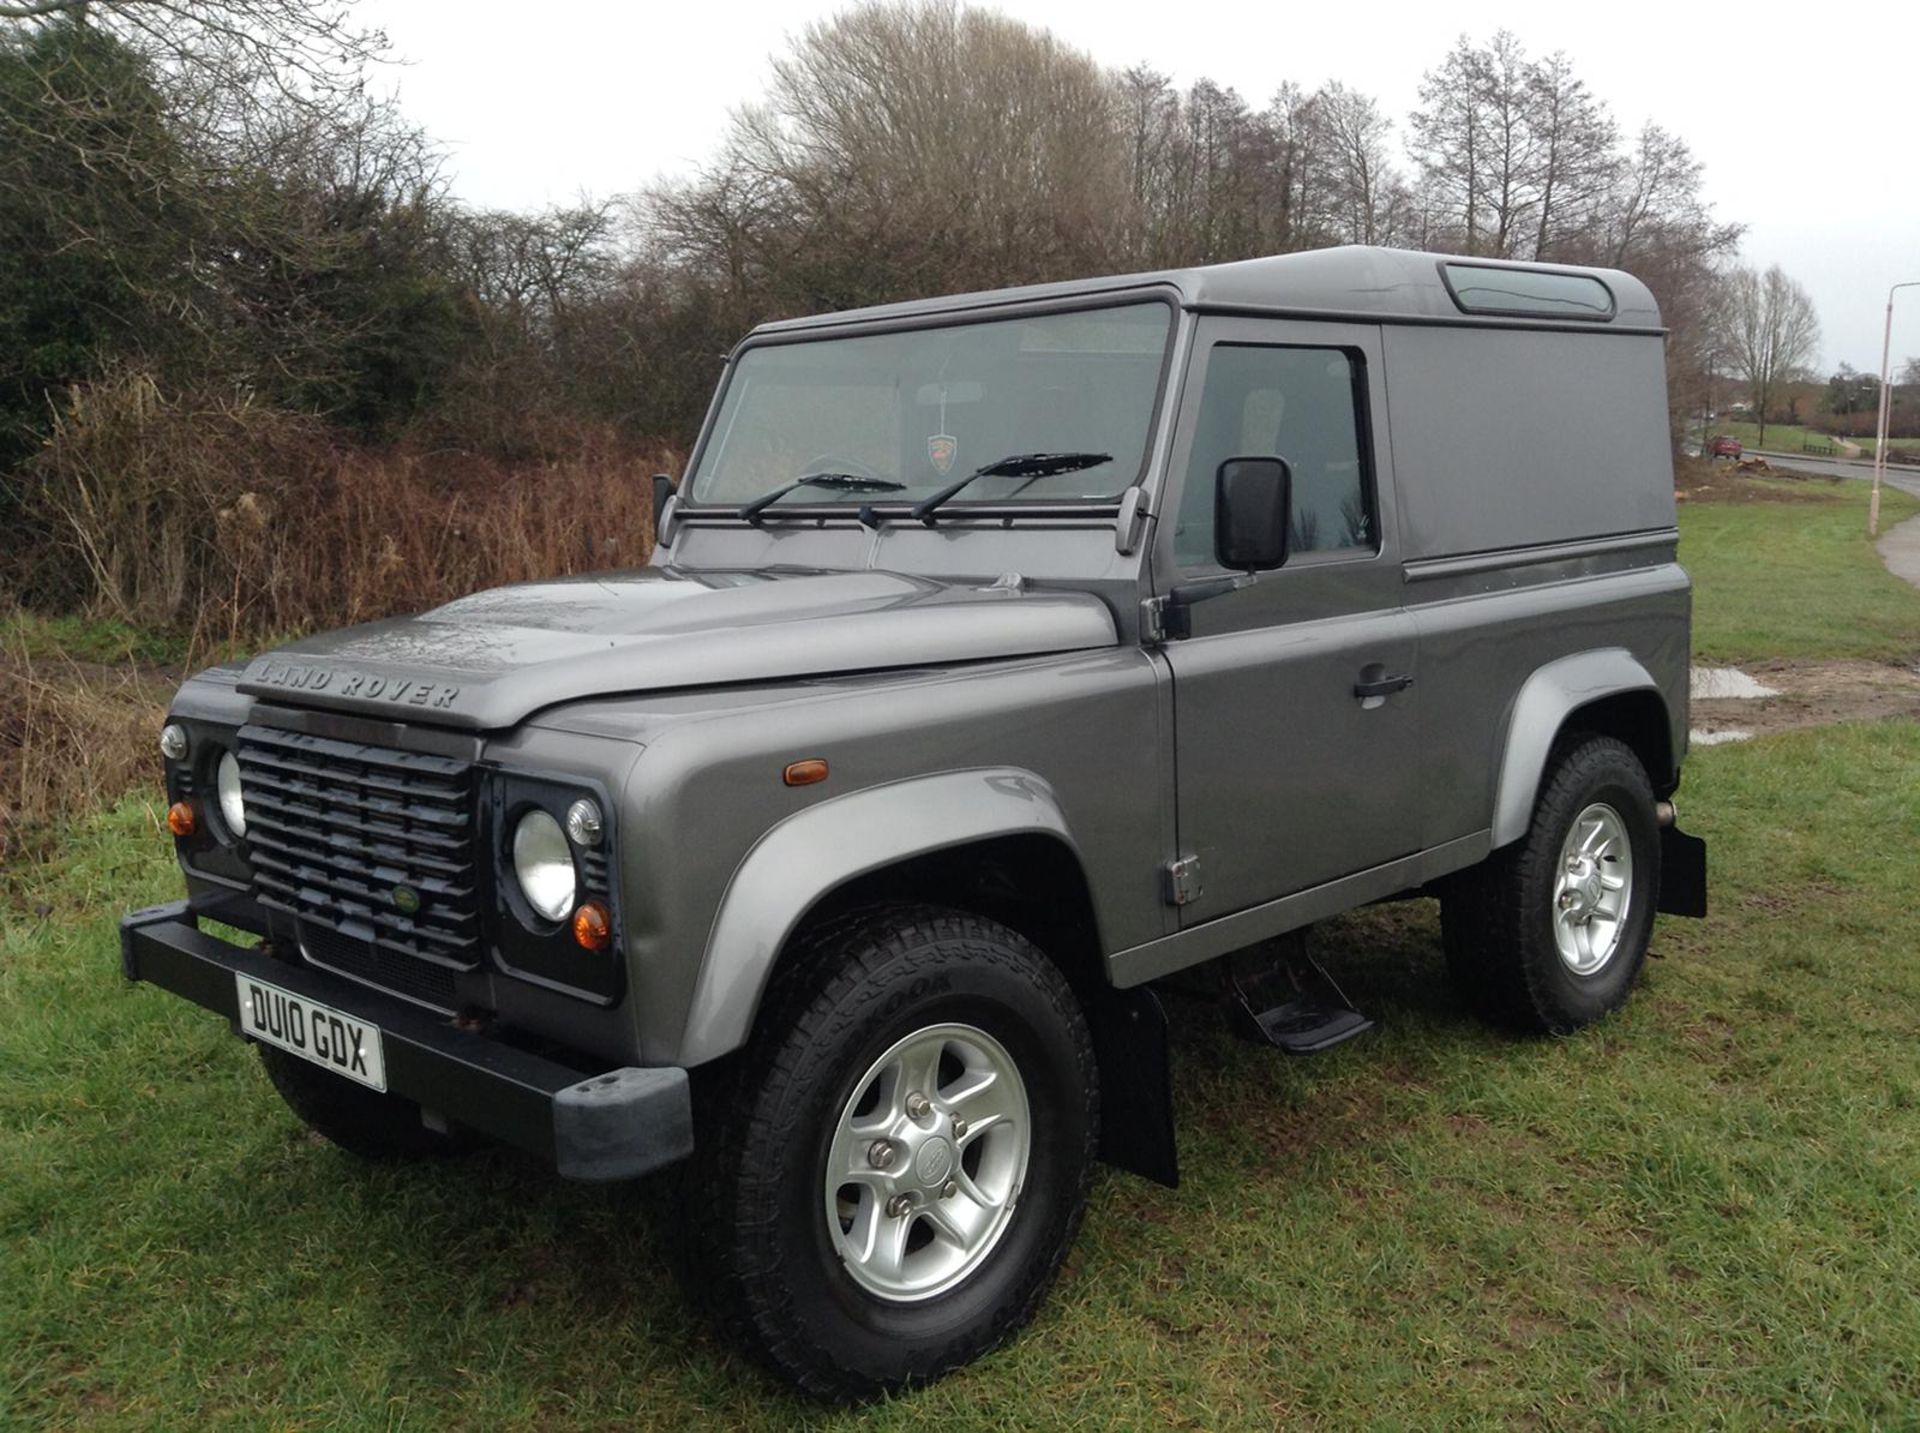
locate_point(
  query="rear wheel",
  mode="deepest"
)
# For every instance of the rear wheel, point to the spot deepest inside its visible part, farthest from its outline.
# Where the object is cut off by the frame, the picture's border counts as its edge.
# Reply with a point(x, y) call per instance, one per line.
point(888, 1178)
point(1549, 934)
point(364, 1122)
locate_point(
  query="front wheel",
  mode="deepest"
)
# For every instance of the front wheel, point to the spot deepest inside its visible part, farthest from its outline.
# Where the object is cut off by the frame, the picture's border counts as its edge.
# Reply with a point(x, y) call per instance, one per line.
point(890, 1175)
point(1549, 934)
point(363, 1122)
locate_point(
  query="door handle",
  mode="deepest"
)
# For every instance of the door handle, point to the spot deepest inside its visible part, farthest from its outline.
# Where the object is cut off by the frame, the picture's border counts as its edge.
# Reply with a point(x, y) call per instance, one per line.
point(1382, 686)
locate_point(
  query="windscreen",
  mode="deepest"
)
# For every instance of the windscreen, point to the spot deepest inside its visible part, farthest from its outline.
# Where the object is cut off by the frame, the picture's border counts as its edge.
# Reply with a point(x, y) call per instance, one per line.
point(925, 407)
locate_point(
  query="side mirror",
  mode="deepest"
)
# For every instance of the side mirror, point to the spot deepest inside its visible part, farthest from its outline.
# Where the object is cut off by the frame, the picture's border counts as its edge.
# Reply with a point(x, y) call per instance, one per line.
point(1252, 505)
point(664, 492)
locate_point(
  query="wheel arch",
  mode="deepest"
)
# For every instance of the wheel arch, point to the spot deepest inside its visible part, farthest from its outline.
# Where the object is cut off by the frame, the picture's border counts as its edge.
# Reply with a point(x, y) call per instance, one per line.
point(1607, 691)
point(818, 854)
point(992, 841)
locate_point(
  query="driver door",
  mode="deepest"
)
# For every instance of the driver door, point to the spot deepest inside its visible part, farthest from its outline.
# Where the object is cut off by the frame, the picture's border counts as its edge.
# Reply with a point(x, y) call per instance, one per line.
point(1286, 776)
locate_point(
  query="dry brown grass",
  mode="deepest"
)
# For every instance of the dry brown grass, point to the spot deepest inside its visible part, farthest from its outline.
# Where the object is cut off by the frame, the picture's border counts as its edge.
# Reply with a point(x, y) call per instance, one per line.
point(72, 737)
point(236, 521)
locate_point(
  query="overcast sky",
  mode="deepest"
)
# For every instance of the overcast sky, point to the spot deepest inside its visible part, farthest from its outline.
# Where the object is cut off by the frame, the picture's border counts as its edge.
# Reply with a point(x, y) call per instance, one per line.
point(597, 97)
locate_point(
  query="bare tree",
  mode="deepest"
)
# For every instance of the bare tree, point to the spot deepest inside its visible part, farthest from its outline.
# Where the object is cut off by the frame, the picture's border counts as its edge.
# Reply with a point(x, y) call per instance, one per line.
point(1577, 155)
point(309, 50)
point(906, 148)
point(1475, 140)
point(1771, 333)
point(1366, 198)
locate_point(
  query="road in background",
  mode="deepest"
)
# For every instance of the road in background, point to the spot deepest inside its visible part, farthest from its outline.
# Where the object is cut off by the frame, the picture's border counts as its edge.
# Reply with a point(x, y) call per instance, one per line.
point(1905, 479)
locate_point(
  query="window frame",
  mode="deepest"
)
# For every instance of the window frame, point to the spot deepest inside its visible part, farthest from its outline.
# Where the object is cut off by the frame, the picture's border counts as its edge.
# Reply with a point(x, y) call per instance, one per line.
point(1358, 376)
point(1447, 267)
point(964, 506)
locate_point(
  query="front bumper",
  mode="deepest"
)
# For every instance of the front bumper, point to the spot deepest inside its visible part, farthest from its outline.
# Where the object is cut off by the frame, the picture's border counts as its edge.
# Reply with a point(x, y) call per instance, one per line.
point(612, 1124)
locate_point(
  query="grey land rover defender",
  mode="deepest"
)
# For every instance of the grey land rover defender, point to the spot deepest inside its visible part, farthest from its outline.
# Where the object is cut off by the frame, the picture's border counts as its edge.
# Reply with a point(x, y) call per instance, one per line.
point(1000, 655)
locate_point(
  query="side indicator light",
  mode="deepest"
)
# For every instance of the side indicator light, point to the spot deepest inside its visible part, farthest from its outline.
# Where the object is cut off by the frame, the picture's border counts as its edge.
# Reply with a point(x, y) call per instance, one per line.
point(592, 927)
point(180, 819)
point(805, 773)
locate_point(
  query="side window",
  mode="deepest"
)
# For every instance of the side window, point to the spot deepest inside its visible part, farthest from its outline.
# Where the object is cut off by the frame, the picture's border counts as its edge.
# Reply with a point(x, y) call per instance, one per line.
point(1294, 403)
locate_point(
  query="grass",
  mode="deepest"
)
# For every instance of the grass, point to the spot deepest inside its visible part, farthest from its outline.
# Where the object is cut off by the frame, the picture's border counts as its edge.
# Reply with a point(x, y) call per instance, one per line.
point(1797, 579)
point(1868, 444)
point(1699, 1213)
point(1781, 437)
point(100, 640)
point(1793, 437)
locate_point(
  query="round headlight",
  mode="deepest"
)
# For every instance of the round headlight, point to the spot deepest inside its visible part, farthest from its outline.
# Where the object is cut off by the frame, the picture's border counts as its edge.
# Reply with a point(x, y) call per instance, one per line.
point(544, 865)
point(233, 809)
point(173, 741)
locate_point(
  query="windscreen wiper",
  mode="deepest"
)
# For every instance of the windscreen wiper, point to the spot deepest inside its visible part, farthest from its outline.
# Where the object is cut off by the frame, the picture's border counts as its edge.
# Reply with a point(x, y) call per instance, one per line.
point(839, 482)
point(1019, 465)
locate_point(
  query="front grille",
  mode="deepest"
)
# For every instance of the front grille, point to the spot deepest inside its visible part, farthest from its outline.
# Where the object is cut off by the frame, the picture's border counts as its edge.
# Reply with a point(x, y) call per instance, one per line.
point(367, 961)
point(335, 828)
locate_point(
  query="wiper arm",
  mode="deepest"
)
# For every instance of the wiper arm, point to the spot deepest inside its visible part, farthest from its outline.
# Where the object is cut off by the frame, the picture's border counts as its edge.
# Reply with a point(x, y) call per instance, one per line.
point(1019, 465)
point(839, 482)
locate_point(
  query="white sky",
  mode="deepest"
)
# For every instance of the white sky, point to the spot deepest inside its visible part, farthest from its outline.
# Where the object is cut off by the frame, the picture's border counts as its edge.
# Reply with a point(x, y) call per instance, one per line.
point(600, 97)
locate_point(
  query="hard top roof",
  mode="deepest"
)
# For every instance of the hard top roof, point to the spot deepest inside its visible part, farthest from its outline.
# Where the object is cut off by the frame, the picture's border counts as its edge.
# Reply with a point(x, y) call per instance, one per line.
point(1352, 281)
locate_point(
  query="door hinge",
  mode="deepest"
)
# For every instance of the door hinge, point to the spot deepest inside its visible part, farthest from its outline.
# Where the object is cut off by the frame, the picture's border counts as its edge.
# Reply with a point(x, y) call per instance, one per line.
point(1182, 883)
point(1156, 621)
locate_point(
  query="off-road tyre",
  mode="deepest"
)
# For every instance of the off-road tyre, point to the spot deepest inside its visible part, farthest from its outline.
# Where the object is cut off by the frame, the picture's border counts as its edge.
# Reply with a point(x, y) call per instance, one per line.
point(1496, 920)
point(364, 1122)
point(763, 1259)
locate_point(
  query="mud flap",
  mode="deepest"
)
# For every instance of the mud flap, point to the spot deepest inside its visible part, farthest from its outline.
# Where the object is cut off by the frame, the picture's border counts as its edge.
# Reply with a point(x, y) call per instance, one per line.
point(1129, 1030)
point(1683, 873)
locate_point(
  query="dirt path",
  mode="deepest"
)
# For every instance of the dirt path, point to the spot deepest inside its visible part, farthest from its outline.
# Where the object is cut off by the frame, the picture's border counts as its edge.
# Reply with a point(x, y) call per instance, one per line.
point(1813, 693)
point(1900, 550)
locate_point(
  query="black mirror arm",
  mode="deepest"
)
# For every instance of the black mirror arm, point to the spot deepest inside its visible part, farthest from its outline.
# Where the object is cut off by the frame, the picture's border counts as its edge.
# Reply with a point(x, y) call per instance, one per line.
point(1182, 599)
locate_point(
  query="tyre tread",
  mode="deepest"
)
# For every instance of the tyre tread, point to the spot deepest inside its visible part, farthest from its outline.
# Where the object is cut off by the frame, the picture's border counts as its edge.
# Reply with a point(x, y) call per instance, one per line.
point(738, 1263)
point(1484, 911)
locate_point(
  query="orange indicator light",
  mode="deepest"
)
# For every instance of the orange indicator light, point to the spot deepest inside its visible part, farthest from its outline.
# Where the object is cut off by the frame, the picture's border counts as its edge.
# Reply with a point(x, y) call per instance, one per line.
point(805, 773)
point(592, 927)
point(180, 819)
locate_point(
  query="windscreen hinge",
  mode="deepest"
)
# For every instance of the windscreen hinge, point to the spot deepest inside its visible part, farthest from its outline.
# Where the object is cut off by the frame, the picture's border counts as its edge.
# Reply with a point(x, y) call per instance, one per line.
point(1130, 521)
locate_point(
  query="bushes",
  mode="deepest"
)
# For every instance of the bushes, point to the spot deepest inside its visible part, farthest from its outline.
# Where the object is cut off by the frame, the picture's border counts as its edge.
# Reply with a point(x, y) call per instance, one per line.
point(239, 521)
point(71, 737)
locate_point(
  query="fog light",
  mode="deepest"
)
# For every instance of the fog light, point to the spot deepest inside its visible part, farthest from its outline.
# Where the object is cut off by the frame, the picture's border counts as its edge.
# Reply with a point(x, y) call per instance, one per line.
point(180, 819)
point(173, 741)
point(592, 927)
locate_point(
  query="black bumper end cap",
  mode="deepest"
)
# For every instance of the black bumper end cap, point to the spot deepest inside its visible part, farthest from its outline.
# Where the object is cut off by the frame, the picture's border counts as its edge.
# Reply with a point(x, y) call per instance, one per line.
point(623, 1123)
point(133, 922)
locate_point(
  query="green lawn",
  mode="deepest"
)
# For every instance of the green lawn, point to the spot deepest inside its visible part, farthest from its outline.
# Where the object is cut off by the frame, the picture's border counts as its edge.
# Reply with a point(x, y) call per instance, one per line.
point(1909, 444)
point(1792, 437)
point(1797, 579)
point(1701, 1213)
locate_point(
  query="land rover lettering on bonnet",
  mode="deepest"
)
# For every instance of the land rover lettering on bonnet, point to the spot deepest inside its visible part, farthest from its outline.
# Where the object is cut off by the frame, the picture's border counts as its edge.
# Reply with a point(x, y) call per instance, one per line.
point(1002, 657)
point(353, 684)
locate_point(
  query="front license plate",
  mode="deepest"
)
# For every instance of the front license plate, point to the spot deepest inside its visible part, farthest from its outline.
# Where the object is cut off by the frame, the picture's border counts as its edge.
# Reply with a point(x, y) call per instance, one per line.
point(315, 1032)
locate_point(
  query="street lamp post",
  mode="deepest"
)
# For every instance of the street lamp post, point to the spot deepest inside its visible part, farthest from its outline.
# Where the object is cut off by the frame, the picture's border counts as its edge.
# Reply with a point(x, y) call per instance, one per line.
point(1880, 433)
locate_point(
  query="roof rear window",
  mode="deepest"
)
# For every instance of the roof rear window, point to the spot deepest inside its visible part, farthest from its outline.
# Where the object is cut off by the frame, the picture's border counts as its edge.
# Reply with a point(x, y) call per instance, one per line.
point(1481, 288)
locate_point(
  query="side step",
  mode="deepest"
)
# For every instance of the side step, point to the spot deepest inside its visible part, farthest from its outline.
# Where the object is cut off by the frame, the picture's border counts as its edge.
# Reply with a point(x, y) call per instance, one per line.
point(1281, 996)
